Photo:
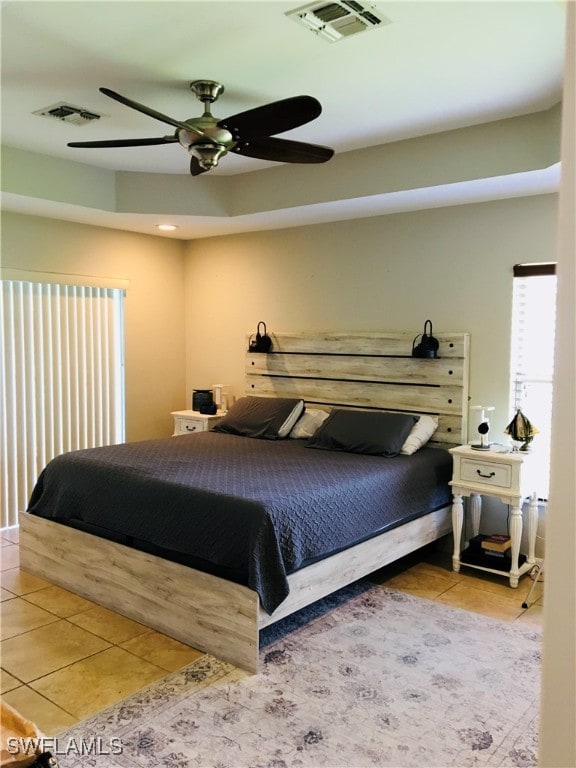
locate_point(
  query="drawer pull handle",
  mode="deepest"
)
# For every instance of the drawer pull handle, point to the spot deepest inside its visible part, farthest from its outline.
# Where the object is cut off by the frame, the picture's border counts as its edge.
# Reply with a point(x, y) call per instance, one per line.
point(190, 429)
point(488, 476)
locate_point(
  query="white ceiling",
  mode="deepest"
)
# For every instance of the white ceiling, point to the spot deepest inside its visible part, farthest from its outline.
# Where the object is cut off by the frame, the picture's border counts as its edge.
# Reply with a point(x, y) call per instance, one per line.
point(435, 67)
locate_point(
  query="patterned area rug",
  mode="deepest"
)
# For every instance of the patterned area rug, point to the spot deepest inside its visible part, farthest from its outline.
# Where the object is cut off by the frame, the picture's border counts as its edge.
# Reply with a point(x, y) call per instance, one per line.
point(367, 677)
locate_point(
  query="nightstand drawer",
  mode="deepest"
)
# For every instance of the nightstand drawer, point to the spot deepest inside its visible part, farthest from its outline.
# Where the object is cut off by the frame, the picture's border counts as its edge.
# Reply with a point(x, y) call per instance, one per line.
point(499, 475)
point(191, 422)
point(185, 426)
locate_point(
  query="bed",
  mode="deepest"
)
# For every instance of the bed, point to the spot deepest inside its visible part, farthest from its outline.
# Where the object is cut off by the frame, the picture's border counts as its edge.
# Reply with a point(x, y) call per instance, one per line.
point(134, 550)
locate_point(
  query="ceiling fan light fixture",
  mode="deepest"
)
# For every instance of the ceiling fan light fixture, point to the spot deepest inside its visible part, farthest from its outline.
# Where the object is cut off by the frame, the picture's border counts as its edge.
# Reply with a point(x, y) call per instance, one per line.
point(207, 154)
point(251, 133)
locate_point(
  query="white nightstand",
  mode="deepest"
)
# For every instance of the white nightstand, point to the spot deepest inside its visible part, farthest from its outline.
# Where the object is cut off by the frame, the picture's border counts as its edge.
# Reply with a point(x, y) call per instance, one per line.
point(188, 422)
point(505, 476)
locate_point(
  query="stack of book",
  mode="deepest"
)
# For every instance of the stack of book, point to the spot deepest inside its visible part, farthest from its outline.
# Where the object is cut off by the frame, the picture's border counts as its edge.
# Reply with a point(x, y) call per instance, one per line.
point(490, 551)
point(496, 545)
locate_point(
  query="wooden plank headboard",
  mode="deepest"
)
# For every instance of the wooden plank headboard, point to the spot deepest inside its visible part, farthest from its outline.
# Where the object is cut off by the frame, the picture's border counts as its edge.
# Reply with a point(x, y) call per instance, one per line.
point(368, 371)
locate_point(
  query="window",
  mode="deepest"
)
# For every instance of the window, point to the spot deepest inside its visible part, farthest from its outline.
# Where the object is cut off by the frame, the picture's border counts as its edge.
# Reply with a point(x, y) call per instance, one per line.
point(532, 354)
point(61, 382)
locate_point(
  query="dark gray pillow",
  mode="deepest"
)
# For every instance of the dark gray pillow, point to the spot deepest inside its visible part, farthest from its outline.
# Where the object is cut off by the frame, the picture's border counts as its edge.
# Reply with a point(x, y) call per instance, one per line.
point(262, 417)
point(377, 433)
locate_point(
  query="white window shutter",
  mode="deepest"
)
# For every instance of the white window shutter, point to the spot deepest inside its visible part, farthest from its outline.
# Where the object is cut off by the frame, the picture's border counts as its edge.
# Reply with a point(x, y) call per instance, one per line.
point(532, 356)
point(61, 381)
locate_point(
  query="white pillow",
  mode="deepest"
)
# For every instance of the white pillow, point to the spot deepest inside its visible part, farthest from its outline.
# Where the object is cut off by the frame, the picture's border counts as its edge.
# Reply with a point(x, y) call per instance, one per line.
point(420, 433)
point(308, 423)
point(297, 411)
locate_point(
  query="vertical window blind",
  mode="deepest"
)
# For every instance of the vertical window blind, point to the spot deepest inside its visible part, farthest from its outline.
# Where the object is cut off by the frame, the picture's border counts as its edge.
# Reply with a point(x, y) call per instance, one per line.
point(532, 355)
point(61, 382)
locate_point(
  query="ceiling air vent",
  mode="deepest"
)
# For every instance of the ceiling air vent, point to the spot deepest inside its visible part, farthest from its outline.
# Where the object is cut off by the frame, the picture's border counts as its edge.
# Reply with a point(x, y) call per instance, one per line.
point(336, 21)
point(67, 113)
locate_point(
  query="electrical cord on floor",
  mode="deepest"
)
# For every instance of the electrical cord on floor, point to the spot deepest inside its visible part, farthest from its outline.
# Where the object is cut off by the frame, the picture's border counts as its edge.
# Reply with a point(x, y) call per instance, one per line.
point(536, 574)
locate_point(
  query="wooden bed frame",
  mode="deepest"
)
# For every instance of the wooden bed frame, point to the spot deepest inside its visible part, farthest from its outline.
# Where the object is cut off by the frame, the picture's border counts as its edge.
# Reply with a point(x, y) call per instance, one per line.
point(352, 370)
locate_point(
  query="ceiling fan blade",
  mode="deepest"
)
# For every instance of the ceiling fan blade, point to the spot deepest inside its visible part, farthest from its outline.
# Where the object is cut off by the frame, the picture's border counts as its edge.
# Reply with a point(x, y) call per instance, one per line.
point(277, 117)
point(283, 150)
point(148, 111)
point(124, 142)
point(195, 167)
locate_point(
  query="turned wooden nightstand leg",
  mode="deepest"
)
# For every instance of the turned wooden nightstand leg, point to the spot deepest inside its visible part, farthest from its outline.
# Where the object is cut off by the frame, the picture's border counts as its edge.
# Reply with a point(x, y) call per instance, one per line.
point(457, 521)
point(475, 512)
point(532, 527)
point(515, 539)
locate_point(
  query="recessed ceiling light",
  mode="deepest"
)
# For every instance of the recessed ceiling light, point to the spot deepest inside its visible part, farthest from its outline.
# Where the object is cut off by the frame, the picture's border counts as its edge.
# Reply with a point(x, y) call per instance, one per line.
point(167, 227)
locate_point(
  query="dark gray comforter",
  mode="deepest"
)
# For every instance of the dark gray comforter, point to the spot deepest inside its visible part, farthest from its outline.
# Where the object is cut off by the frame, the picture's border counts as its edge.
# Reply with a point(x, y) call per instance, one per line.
point(251, 510)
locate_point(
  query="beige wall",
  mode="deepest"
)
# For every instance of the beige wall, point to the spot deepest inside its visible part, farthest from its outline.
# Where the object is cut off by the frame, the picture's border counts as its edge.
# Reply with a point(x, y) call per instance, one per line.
point(154, 308)
point(452, 265)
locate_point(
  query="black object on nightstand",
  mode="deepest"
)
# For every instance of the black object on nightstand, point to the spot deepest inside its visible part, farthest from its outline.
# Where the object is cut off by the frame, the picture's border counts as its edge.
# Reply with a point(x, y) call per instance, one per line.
point(201, 397)
point(483, 445)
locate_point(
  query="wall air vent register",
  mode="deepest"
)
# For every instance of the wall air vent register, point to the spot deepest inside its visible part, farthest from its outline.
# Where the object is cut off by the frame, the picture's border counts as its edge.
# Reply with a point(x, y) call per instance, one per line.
point(339, 20)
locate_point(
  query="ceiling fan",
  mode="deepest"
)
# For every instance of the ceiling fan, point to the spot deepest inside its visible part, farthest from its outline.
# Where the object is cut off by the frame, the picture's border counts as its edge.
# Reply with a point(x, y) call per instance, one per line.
point(249, 133)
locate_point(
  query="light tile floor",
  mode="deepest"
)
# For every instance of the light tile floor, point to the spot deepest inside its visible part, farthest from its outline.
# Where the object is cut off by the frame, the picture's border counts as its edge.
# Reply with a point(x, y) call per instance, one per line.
point(63, 658)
